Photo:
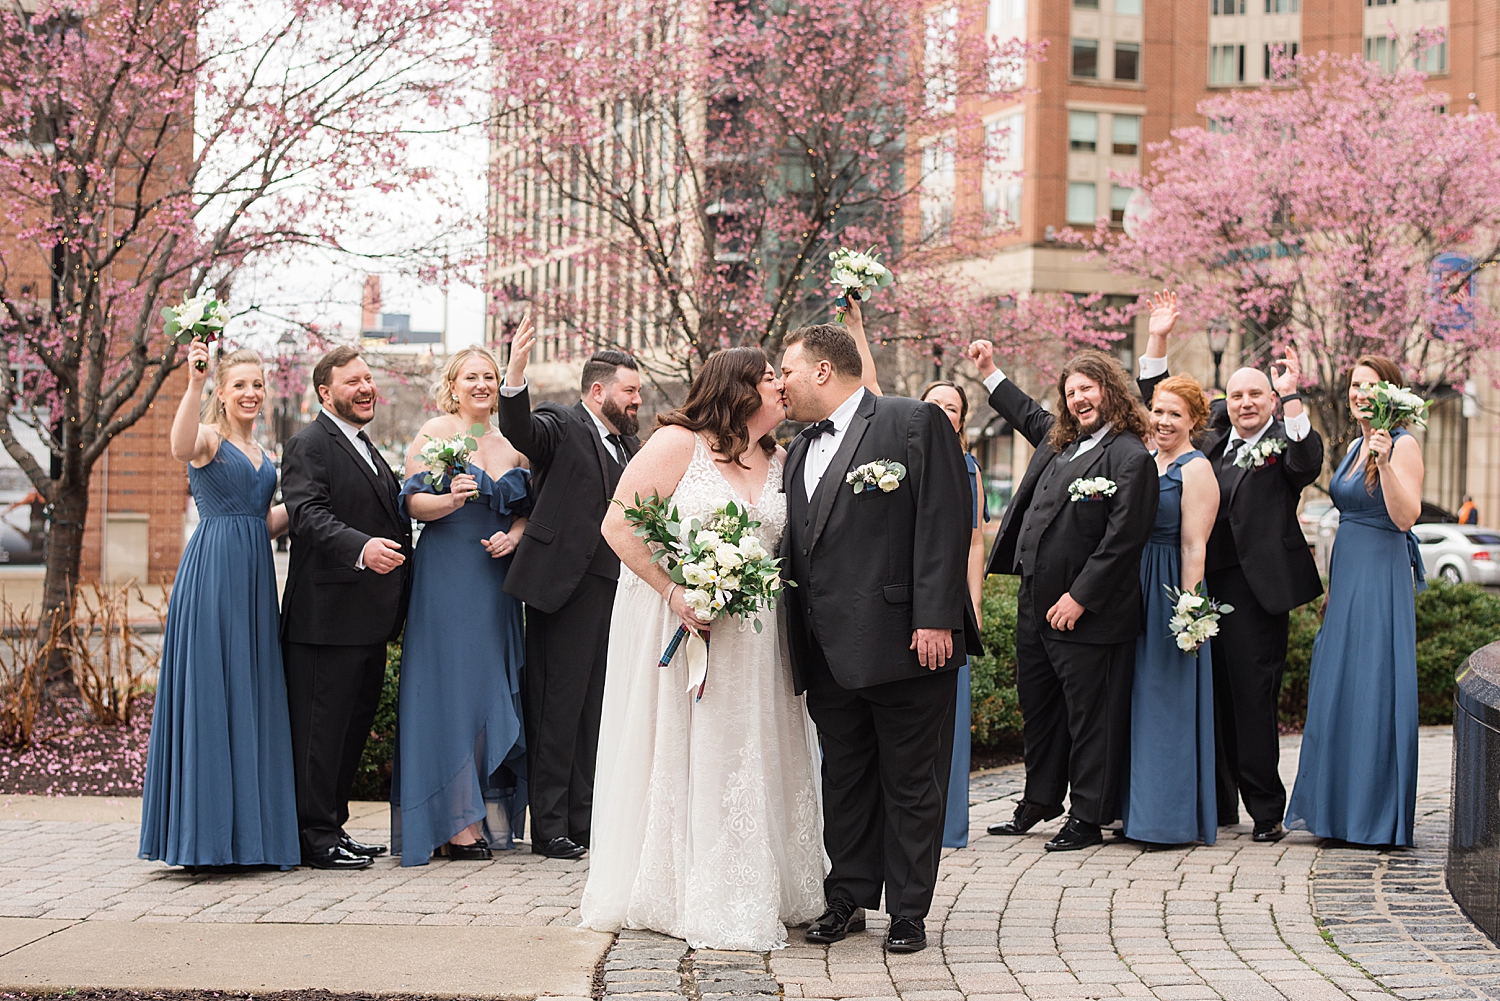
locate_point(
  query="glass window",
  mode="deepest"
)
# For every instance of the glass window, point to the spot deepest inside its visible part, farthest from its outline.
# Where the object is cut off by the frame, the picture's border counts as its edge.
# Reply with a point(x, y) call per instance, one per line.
point(1130, 8)
point(1085, 57)
point(1433, 59)
point(1082, 203)
point(1083, 131)
point(1226, 65)
point(938, 177)
point(1127, 61)
point(1289, 6)
point(1227, 7)
point(1288, 49)
point(1119, 197)
point(1125, 135)
point(1087, 4)
point(1382, 51)
point(1000, 12)
point(1484, 538)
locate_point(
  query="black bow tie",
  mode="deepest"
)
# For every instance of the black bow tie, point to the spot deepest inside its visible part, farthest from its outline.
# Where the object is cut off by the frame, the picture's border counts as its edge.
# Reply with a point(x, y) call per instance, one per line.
point(815, 431)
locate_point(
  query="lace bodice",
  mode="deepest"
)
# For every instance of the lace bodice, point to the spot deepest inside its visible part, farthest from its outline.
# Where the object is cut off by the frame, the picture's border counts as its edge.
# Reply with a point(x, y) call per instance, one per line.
point(703, 488)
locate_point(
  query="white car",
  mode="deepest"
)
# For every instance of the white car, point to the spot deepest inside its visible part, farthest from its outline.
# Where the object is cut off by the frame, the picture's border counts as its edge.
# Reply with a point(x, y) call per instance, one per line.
point(1459, 553)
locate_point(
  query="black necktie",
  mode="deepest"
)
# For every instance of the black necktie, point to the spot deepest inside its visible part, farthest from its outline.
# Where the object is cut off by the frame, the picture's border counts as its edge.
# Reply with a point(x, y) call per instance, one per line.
point(369, 445)
point(815, 431)
point(619, 446)
point(1230, 450)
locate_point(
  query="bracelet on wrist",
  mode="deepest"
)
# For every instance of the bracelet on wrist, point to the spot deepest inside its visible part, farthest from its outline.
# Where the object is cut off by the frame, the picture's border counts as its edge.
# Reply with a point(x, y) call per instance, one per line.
point(1289, 397)
point(668, 596)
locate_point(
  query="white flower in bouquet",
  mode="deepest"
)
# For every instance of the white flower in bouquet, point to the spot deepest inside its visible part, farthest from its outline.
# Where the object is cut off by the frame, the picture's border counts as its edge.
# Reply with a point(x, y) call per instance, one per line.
point(1196, 619)
point(854, 271)
point(700, 601)
point(1392, 406)
point(706, 538)
point(751, 548)
point(446, 457)
point(697, 574)
point(728, 555)
point(200, 317)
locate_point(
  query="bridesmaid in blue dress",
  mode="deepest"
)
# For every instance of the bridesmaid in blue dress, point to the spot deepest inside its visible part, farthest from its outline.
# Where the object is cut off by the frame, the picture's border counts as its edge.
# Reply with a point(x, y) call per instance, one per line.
point(218, 788)
point(1168, 796)
point(1357, 773)
point(458, 789)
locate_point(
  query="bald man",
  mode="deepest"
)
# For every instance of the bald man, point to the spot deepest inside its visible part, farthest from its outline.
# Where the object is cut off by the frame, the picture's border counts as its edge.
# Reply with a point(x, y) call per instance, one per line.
point(1259, 562)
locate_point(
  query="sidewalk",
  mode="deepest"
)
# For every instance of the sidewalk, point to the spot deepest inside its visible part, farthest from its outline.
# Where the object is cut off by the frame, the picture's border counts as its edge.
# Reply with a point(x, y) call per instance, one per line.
point(1238, 920)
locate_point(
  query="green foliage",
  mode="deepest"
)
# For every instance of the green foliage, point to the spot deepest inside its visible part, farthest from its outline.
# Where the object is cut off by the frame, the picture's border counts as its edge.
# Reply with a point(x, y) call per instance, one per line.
point(373, 780)
point(1453, 620)
point(995, 708)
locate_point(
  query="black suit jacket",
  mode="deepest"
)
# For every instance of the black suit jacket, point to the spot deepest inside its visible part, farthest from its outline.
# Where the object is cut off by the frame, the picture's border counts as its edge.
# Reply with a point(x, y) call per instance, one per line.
point(573, 477)
point(336, 504)
point(1262, 513)
point(871, 567)
point(1089, 549)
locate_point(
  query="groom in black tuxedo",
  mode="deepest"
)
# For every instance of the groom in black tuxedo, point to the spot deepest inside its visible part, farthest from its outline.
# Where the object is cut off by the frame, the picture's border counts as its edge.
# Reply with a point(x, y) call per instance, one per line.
point(566, 575)
point(876, 626)
point(1074, 532)
point(346, 594)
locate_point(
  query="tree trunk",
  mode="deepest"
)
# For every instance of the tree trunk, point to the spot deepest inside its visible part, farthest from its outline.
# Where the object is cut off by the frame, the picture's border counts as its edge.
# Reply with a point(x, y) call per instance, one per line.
point(64, 560)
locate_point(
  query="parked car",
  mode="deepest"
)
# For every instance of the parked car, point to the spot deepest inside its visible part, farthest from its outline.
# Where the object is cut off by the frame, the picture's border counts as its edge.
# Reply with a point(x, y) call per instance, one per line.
point(1311, 514)
point(1458, 553)
point(1432, 514)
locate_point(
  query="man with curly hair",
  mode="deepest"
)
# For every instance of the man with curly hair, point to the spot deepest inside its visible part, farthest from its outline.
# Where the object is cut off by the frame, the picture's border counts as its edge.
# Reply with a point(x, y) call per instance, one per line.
point(1074, 532)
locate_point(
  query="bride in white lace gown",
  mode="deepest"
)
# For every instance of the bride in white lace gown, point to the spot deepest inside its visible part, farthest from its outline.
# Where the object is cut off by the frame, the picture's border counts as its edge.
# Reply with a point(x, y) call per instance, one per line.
point(707, 825)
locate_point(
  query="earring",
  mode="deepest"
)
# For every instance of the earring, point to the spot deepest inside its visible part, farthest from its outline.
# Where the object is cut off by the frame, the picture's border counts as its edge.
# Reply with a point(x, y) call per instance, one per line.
point(455, 397)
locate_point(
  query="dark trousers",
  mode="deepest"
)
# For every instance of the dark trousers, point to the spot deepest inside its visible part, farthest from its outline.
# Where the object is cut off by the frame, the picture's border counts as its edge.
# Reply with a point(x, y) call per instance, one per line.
point(562, 691)
point(887, 750)
point(1249, 657)
point(332, 692)
point(1075, 713)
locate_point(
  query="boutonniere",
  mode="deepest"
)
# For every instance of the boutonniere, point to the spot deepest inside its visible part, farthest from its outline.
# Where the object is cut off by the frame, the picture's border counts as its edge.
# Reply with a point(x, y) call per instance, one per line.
point(883, 474)
point(1093, 489)
point(1262, 453)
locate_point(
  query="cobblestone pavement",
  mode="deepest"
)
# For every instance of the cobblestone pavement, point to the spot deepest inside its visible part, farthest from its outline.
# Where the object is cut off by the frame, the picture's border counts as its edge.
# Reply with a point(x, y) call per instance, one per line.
point(1009, 922)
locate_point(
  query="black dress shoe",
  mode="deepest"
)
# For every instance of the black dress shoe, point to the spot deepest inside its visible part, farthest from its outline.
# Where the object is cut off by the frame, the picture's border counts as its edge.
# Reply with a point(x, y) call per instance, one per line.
point(1268, 831)
point(906, 935)
point(476, 851)
point(563, 848)
point(1075, 834)
point(1027, 816)
point(336, 857)
point(837, 922)
point(357, 848)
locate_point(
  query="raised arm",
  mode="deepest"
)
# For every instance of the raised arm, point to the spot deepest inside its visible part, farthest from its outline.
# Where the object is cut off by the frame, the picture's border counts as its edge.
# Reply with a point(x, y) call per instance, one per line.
point(856, 324)
point(191, 441)
point(535, 435)
point(1304, 454)
point(1164, 316)
point(1008, 400)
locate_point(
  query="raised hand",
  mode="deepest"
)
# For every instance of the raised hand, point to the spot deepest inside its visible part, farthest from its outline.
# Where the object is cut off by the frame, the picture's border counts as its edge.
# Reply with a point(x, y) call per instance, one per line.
point(1381, 444)
point(1286, 373)
point(520, 351)
point(982, 354)
point(197, 363)
point(1164, 314)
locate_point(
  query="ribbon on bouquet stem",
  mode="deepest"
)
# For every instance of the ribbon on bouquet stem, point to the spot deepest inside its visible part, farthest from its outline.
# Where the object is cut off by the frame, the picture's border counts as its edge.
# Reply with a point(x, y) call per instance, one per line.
point(696, 655)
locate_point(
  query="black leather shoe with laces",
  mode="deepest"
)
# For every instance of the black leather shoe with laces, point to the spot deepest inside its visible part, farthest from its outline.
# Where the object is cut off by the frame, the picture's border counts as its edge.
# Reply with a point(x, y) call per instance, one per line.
point(356, 848)
point(336, 857)
point(1075, 834)
point(837, 922)
point(1027, 816)
point(1268, 831)
point(906, 935)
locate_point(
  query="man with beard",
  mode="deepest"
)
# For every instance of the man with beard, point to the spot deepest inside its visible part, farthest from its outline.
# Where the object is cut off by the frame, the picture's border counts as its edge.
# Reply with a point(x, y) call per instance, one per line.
point(1074, 533)
point(345, 598)
point(566, 575)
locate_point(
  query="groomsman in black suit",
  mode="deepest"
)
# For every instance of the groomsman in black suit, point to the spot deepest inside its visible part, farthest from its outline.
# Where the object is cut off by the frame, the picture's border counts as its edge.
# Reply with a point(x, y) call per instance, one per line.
point(346, 594)
point(879, 611)
point(566, 575)
point(1074, 532)
point(1258, 561)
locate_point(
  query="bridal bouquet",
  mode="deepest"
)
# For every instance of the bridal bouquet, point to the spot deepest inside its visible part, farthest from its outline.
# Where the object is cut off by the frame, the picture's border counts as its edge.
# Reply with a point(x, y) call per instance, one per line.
point(1195, 617)
point(201, 317)
point(854, 272)
point(445, 457)
point(720, 563)
point(1392, 407)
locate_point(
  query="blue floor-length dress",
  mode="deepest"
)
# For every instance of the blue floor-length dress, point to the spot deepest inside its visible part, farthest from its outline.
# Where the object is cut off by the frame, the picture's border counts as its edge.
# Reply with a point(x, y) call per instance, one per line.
point(956, 817)
point(1169, 793)
point(219, 787)
point(460, 746)
point(1357, 771)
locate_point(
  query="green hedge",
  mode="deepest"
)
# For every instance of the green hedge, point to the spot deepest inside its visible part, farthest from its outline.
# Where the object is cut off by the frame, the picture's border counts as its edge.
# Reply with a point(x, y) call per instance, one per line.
point(373, 780)
point(1453, 620)
point(995, 709)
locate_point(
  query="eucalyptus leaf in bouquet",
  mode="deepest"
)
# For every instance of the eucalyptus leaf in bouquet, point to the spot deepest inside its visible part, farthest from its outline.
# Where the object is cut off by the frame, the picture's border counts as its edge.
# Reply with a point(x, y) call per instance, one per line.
point(200, 317)
point(447, 457)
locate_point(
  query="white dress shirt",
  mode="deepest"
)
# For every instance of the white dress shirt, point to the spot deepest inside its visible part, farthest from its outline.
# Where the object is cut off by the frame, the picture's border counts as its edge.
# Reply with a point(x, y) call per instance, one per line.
point(1297, 427)
point(603, 429)
point(820, 450)
point(352, 433)
point(996, 377)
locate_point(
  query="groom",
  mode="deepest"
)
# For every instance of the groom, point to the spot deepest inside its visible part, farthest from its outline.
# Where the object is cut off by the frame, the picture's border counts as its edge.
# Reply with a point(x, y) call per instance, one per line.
point(876, 626)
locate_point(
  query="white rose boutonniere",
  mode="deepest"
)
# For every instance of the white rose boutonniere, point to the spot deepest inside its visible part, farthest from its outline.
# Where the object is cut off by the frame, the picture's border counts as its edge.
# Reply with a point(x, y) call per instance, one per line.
point(1262, 453)
point(1095, 489)
point(884, 475)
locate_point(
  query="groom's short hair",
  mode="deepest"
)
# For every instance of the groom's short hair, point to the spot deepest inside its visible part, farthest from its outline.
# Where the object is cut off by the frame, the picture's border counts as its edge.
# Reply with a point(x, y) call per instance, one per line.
point(604, 367)
point(340, 356)
point(829, 342)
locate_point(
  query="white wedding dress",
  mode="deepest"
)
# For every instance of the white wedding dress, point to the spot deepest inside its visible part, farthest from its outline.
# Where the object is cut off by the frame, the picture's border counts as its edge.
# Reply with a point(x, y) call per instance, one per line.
point(707, 824)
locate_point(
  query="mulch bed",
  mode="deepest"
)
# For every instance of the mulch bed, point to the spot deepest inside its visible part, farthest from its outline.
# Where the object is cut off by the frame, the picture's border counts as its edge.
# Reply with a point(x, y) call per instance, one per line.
point(69, 756)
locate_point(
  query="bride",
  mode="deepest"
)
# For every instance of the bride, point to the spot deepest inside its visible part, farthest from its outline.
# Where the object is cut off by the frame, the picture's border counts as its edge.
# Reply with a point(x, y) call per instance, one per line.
point(706, 821)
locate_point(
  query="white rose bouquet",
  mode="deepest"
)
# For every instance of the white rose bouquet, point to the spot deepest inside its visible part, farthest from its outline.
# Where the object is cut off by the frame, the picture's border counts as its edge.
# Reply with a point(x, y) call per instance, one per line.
point(1392, 407)
point(446, 457)
point(1195, 617)
point(201, 317)
point(854, 272)
point(721, 564)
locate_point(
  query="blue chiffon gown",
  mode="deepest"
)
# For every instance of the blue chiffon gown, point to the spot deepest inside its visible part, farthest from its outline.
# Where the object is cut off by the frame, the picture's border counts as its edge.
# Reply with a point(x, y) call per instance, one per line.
point(956, 819)
point(460, 748)
point(218, 787)
point(1357, 772)
point(1169, 795)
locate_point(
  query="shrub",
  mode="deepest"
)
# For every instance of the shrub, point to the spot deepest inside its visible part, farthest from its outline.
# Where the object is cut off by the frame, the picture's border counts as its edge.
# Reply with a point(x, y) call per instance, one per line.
point(995, 709)
point(373, 780)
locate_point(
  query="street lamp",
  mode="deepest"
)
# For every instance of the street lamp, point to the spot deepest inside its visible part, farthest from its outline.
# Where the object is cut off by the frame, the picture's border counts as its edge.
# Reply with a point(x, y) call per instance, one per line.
point(1218, 342)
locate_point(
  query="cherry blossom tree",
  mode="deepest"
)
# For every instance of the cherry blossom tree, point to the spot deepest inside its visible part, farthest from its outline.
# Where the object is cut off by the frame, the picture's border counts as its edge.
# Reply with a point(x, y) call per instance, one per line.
point(149, 149)
point(1340, 210)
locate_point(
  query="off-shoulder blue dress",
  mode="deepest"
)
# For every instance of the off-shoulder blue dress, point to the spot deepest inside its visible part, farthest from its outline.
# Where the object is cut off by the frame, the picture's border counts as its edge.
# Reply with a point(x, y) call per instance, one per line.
point(1357, 770)
point(460, 747)
point(219, 787)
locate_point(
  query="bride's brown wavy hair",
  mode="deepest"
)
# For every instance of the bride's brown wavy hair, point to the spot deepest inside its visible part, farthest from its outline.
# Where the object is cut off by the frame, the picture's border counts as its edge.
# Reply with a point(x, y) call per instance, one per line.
point(722, 400)
point(1121, 404)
